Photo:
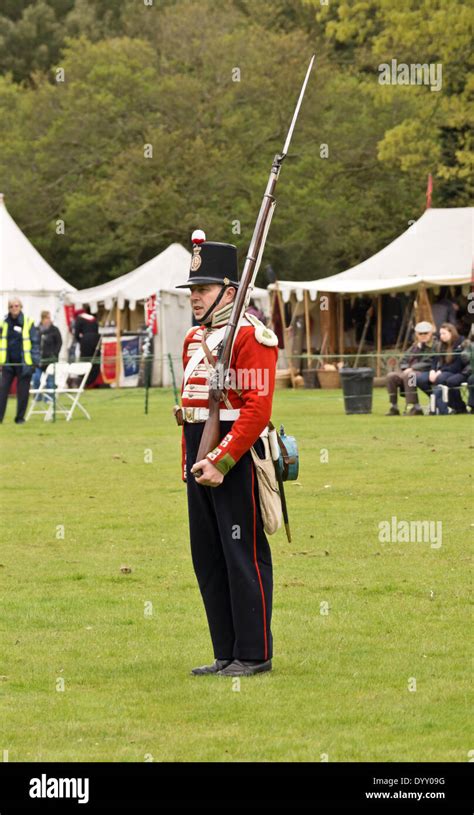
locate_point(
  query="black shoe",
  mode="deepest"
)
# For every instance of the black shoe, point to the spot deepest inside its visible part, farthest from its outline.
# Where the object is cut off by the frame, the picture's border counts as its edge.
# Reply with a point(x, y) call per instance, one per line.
point(416, 410)
point(216, 666)
point(20, 421)
point(242, 667)
point(394, 411)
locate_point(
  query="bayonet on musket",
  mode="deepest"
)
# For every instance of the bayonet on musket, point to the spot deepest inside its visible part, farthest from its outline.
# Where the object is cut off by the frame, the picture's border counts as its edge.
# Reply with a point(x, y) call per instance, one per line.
point(211, 433)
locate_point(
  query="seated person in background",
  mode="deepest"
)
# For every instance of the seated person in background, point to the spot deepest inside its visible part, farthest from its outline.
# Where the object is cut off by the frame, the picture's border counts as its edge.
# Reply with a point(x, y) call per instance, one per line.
point(415, 371)
point(467, 356)
point(470, 378)
point(464, 317)
point(448, 370)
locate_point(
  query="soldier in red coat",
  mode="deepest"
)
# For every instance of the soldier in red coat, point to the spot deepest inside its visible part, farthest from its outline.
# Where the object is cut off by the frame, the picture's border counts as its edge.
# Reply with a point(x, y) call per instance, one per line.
point(231, 554)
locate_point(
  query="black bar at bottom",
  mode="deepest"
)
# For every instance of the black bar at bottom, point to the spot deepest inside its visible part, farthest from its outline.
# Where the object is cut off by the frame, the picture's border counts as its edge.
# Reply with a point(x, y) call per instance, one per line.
point(366, 787)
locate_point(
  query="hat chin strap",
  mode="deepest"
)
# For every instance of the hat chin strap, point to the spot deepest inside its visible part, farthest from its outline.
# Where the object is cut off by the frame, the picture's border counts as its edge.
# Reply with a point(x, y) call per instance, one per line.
point(211, 308)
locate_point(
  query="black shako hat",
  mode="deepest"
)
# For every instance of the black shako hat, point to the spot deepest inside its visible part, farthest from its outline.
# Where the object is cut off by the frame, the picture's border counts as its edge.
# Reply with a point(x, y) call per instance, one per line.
point(212, 263)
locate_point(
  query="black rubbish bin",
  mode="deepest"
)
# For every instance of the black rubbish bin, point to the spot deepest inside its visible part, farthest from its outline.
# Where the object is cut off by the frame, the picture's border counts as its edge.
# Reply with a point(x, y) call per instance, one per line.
point(357, 386)
point(310, 377)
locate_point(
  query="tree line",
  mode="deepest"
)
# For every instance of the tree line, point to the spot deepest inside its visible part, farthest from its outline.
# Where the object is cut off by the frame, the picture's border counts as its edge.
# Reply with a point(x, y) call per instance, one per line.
point(127, 124)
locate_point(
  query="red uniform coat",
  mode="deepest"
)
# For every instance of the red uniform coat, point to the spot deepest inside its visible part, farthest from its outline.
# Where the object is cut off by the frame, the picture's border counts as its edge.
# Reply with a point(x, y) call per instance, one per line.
point(253, 366)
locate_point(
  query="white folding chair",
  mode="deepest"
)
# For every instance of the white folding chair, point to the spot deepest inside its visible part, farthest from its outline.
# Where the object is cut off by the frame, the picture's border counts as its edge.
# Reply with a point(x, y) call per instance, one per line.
point(42, 402)
point(63, 391)
point(463, 390)
point(81, 370)
point(444, 397)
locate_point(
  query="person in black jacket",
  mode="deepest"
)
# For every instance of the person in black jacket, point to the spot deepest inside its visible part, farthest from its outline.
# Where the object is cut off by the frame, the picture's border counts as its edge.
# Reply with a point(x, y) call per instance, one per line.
point(86, 333)
point(50, 346)
point(448, 370)
point(50, 340)
point(414, 371)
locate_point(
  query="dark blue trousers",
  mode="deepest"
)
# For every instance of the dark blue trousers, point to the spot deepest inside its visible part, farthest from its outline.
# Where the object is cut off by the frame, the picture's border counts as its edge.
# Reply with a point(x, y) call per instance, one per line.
point(231, 556)
point(22, 390)
point(453, 382)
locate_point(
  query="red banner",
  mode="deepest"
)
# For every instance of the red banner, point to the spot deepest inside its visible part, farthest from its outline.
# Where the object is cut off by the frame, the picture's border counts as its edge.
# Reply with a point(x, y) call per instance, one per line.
point(69, 314)
point(150, 313)
point(108, 361)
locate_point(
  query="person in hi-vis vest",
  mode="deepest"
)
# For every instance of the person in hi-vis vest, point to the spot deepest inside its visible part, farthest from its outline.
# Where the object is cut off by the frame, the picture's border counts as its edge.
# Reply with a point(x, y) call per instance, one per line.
point(19, 354)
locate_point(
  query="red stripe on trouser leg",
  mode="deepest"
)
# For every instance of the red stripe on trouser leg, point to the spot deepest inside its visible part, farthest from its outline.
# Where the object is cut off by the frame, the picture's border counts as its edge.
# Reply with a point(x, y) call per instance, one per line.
point(256, 564)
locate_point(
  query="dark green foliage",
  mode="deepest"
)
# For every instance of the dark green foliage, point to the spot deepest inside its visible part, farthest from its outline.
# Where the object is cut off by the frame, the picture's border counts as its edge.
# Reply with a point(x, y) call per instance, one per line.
point(164, 76)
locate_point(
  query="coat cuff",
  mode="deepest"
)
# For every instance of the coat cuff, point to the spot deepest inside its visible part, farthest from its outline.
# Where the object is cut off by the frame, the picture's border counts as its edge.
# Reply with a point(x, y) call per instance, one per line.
point(224, 464)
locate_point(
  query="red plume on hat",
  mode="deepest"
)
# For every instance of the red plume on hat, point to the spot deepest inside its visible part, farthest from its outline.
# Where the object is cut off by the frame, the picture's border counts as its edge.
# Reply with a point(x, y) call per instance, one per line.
point(198, 236)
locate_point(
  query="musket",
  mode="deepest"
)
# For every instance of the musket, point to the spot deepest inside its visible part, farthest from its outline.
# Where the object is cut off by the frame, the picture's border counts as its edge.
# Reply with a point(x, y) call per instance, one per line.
point(211, 434)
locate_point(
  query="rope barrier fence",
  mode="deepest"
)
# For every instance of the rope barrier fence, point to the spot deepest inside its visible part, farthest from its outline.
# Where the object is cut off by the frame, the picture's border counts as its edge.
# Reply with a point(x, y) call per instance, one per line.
point(313, 367)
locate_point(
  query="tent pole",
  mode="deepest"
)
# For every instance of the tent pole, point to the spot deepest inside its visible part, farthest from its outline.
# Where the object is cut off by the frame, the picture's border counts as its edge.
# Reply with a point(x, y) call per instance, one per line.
point(424, 305)
point(332, 320)
point(409, 324)
point(285, 338)
point(405, 318)
point(340, 321)
point(117, 352)
point(379, 332)
point(271, 295)
point(308, 332)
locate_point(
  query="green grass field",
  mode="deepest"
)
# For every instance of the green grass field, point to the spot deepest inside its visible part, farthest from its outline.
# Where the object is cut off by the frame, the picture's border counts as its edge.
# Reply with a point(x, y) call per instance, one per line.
point(340, 685)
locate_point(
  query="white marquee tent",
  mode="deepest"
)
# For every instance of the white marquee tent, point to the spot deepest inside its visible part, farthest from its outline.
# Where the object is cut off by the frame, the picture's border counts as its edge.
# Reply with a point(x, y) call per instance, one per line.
point(157, 276)
point(24, 273)
point(436, 250)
